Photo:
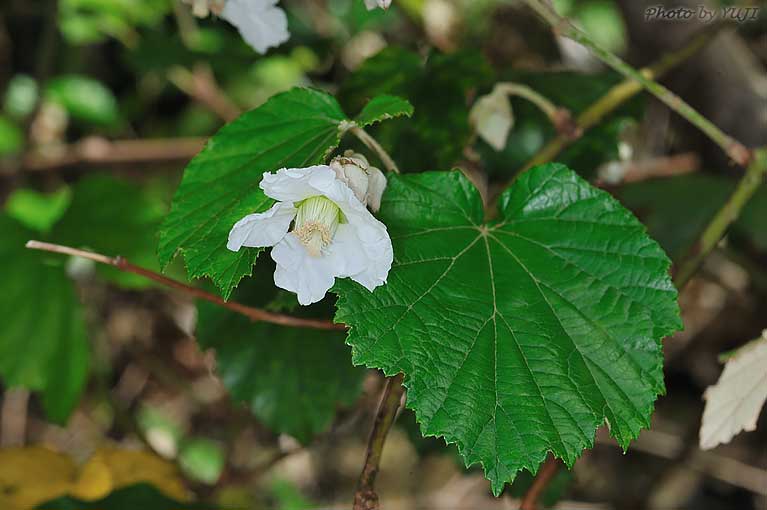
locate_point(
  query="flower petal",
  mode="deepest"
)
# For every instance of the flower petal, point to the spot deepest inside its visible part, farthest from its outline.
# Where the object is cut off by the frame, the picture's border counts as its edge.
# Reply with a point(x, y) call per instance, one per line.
point(374, 253)
point(261, 23)
point(372, 4)
point(376, 187)
point(296, 184)
point(297, 271)
point(262, 229)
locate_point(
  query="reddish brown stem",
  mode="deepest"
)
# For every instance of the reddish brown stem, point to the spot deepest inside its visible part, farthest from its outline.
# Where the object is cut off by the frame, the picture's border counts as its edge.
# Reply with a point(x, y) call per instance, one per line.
point(542, 480)
point(252, 313)
point(366, 498)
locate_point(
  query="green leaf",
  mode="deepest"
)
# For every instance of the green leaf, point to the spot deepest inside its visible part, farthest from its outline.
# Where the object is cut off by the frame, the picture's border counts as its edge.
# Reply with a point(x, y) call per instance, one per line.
point(85, 99)
point(202, 460)
point(520, 336)
point(42, 344)
point(142, 495)
point(382, 108)
point(221, 185)
point(38, 211)
point(113, 217)
point(292, 379)
point(11, 137)
point(20, 96)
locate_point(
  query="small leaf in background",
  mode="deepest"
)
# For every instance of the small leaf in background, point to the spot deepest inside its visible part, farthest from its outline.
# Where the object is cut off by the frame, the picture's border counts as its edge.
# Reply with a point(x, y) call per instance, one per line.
point(113, 217)
point(43, 344)
point(38, 211)
point(292, 379)
point(733, 404)
point(91, 21)
point(84, 99)
point(287, 496)
point(570, 300)
point(384, 107)
point(11, 137)
point(202, 460)
point(20, 96)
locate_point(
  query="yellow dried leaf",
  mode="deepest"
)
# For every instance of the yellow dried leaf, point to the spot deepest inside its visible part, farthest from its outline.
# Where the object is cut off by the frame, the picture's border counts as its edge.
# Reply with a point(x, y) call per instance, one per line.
point(33, 475)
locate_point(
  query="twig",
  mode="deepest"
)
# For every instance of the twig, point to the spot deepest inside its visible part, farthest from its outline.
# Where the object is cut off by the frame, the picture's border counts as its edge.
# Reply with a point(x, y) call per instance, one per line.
point(621, 93)
point(366, 498)
point(372, 144)
point(252, 313)
point(100, 151)
point(729, 212)
point(542, 479)
point(560, 117)
point(734, 149)
point(200, 84)
point(626, 172)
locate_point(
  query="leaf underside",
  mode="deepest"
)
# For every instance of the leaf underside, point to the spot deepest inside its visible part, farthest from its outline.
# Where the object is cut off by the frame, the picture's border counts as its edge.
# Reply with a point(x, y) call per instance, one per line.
point(523, 335)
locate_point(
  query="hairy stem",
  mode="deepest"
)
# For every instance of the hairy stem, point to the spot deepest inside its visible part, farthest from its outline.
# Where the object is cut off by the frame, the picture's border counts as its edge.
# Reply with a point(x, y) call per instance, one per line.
point(717, 227)
point(366, 498)
point(622, 92)
point(734, 149)
point(255, 314)
point(372, 144)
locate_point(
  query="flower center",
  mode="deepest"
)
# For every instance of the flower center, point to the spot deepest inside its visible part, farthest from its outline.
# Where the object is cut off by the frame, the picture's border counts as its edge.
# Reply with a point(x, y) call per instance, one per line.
point(316, 222)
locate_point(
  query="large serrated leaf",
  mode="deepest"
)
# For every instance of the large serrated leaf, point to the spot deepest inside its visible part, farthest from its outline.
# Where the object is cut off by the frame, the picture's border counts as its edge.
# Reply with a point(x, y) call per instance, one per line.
point(293, 129)
point(520, 336)
point(292, 379)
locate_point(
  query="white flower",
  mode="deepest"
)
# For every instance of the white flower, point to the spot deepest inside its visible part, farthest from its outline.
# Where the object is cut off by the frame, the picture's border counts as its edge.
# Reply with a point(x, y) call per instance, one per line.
point(492, 118)
point(333, 234)
point(367, 182)
point(372, 4)
point(261, 23)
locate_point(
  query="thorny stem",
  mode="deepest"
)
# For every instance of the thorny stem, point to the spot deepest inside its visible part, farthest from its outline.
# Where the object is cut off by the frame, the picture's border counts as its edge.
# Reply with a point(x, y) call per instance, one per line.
point(366, 498)
point(255, 314)
point(372, 144)
point(717, 227)
point(734, 149)
point(622, 92)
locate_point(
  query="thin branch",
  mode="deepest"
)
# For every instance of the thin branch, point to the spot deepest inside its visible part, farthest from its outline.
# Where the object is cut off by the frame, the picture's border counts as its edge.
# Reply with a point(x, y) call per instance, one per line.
point(100, 151)
point(542, 479)
point(372, 144)
point(255, 314)
point(560, 117)
point(734, 149)
point(717, 227)
point(622, 92)
point(366, 498)
point(200, 84)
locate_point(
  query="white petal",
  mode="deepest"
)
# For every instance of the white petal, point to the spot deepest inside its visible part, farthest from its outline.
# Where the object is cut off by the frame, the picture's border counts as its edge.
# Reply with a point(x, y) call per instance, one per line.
point(376, 187)
point(493, 118)
point(295, 184)
point(262, 229)
point(374, 249)
point(260, 22)
point(372, 4)
point(297, 271)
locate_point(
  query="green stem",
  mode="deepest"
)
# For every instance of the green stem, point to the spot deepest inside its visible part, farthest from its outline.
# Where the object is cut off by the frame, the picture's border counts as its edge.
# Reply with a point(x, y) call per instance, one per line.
point(734, 149)
point(372, 144)
point(718, 226)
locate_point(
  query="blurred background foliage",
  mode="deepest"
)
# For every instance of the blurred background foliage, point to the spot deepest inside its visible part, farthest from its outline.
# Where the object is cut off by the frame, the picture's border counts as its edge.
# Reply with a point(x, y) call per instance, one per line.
point(104, 101)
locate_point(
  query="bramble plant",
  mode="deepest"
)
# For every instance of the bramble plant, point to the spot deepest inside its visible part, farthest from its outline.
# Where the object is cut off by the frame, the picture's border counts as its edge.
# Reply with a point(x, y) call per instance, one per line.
point(513, 304)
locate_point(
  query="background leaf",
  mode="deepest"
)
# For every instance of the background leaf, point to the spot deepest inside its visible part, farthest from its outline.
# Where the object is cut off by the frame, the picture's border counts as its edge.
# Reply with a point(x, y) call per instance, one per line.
point(384, 107)
point(569, 301)
point(43, 346)
point(292, 379)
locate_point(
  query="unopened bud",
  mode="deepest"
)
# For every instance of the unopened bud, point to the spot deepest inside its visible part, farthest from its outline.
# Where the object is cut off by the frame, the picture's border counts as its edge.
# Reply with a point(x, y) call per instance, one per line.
point(492, 118)
point(367, 182)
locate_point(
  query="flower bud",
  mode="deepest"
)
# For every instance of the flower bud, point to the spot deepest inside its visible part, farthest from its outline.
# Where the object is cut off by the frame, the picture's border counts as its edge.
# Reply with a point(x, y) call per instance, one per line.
point(492, 118)
point(367, 182)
